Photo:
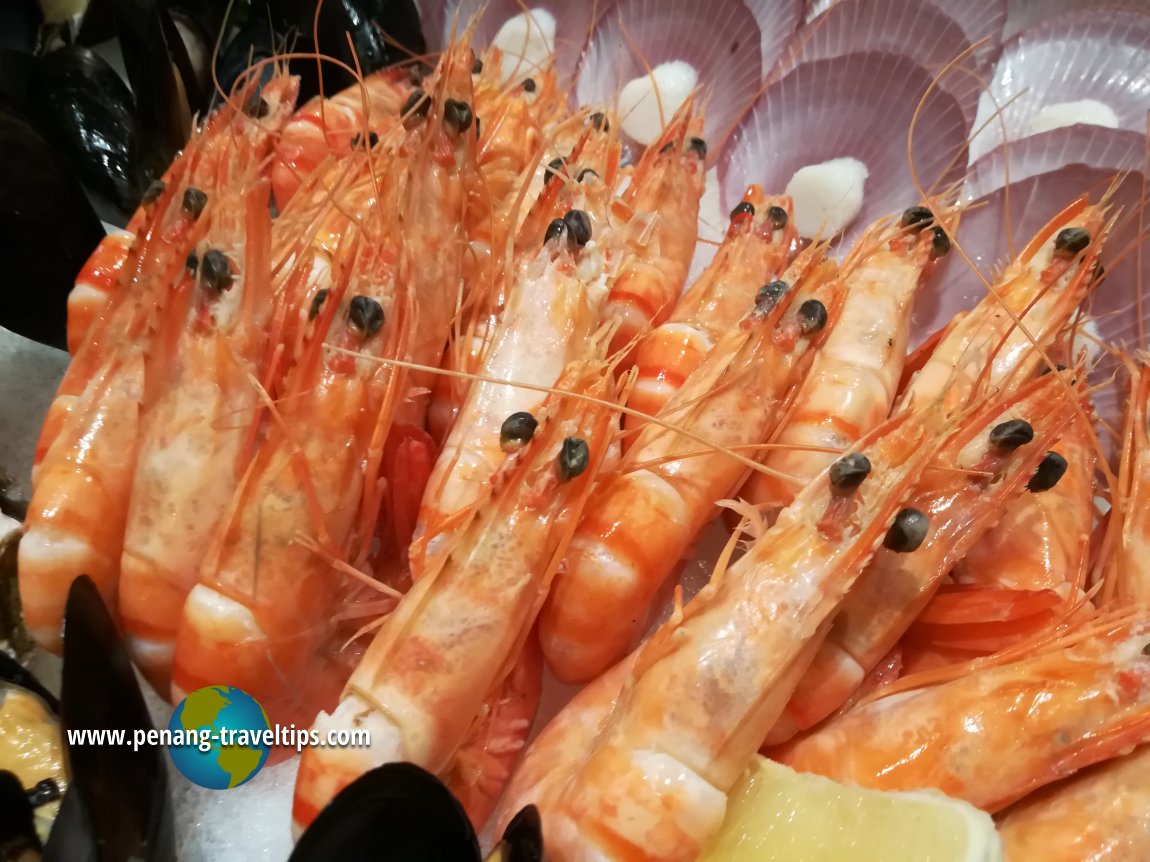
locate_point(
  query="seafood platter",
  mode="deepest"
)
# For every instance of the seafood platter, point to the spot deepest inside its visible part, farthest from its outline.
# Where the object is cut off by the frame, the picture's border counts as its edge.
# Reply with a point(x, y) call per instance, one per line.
point(585, 431)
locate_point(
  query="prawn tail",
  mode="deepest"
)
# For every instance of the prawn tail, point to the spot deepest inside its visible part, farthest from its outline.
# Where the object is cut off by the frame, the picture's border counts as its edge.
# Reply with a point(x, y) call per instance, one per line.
point(972, 621)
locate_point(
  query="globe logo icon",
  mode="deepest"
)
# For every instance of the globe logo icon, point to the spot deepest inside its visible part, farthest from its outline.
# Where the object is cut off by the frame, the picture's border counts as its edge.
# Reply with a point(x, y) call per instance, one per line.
point(225, 735)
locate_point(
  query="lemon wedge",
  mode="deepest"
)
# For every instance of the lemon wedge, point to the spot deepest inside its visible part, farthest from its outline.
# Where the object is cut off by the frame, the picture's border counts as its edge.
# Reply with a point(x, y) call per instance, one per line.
point(779, 815)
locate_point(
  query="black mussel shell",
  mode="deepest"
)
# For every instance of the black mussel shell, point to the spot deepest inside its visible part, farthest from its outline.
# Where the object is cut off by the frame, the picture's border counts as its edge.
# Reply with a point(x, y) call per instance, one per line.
point(20, 22)
point(17, 827)
point(14, 672)
point(11, 620)
point(522, 839)
point(16, 71)
point(122, 794)
point(197, 25)
point(165, 98)
point(72, 838)
point(254, 41)
point(87, 113)
point(382, 33)
point(47, 232)
point(394, 813)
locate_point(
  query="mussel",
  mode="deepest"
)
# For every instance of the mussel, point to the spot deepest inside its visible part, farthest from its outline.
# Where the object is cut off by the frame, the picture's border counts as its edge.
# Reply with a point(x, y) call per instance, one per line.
point(18, 836)
point(90, 139)
point(31, 760)
point(87, 113)
point(47, 231)
point(364, 34)
point(399, 812)
point(115, 805)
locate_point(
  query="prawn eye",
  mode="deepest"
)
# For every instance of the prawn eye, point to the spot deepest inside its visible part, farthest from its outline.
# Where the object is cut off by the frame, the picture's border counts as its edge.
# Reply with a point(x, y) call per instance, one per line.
point(215, 271)
point(812, 316)
point(583, 174)
point(194, 202)
point(698, 146)
point(457, 116)
point(153, 192)
point(529, 85)
point(599, 122)
point(907, 532)
point(476, 64)
point(1008, 436)
point(317, 302)
point(939, 242)
point(848, 472)
point(557, 228)
point(516, 431)
point(1071, 240)
point(742, 209)
point(1058, 366)
point(916, 217)
point(255, 107)
point(573, 458)
point(357, 140)
point(553, 168)
point(778, 217)
point(769, 295)
point(366, 315)
point(579, 224)
point(1049, 471)
point(415, 108)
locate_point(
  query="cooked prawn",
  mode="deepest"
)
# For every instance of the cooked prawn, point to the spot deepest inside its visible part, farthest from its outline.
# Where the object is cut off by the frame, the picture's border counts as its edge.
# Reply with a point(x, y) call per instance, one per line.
point(195, 422)
point(80, 490)
point(335, 126)
point(994, 734)
point(270, 582)
point(229, 150)
point(420, 686)
point(247, 114)
point(642, 519)
point(854, 378)
point(1042, 289)
point(989, 459)
point(1100, 815)
point(757, 248)
point(553, 308)
point(650, 781)
point(664, 192)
